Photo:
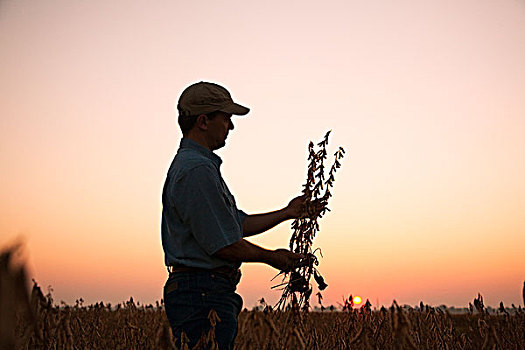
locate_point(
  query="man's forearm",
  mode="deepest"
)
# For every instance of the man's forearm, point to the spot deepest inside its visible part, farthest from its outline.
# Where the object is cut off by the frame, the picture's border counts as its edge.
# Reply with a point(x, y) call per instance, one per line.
point(257, 223)
point(244, 251)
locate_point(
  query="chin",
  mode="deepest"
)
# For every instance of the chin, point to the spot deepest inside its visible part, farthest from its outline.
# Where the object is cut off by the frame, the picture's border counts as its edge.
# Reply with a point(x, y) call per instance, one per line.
point(220, 145)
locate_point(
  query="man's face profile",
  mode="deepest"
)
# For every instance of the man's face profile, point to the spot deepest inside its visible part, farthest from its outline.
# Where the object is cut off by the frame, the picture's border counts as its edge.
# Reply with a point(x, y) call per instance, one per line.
point(218, 129)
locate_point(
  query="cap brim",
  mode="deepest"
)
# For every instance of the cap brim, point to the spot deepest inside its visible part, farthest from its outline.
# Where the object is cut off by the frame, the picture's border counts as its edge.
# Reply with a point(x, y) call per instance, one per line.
point(236, 109)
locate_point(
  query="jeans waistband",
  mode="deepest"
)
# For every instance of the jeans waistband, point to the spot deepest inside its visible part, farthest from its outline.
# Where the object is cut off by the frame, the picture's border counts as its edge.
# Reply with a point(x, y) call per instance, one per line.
point(233, 274)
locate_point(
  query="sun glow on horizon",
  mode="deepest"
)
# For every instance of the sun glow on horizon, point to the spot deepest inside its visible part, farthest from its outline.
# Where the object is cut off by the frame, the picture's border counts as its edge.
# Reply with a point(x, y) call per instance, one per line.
point(357, 300)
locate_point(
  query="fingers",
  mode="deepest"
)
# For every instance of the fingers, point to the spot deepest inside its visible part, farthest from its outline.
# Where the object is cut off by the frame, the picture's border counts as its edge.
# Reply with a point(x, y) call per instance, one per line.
point(300, 260)
point(294, 260)
point(301, 263)
point(317, 206)
point(286, 260)
point(298, 256)
point(321, 203)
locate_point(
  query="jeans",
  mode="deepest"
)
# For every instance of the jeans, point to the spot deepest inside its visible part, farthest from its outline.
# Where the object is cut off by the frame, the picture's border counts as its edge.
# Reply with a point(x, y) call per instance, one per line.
point(190, 296)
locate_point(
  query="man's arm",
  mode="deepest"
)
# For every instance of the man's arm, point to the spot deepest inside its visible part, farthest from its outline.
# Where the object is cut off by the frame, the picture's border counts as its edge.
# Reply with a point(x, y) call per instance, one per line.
point(244, 251)
point(258, 223)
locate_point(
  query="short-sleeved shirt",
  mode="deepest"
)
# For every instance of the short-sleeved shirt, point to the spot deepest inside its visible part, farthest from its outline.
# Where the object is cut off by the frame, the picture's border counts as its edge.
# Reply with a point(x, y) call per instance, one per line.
point(199, 213)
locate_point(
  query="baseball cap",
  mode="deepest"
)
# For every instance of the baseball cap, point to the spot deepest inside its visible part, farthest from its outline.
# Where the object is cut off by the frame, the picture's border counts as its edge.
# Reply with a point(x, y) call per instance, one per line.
point(203, 97)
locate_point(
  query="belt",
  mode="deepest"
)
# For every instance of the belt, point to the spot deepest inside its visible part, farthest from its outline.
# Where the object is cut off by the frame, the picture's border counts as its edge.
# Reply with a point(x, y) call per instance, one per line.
point(234, 274)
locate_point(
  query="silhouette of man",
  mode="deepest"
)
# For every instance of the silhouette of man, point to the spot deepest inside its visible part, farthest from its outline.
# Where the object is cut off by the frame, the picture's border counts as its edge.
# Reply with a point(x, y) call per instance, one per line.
point(203, 231)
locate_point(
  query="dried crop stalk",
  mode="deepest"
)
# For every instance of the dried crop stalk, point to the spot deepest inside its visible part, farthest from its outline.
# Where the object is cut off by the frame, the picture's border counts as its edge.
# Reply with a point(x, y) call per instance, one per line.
point(297, 290)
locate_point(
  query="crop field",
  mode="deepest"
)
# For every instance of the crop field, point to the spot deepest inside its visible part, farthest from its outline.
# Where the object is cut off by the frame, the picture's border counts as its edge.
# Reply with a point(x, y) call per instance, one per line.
point(130, 326)
point(31, 320)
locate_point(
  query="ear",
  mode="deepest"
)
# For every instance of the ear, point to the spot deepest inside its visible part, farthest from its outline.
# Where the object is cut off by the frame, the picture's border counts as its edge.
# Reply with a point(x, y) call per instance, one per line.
point(202, 122)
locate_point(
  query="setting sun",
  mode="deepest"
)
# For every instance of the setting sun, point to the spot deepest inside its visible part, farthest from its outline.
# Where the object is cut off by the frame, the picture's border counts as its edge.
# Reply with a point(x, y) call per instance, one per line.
point(357, 300)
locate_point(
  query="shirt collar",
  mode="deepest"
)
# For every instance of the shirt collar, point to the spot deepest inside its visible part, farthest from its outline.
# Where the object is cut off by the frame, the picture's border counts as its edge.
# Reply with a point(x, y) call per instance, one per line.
point(189, 143)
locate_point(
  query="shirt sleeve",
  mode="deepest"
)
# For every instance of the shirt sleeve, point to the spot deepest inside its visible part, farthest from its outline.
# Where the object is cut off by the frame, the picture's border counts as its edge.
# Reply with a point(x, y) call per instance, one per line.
point(207, 210)
point(242, 216)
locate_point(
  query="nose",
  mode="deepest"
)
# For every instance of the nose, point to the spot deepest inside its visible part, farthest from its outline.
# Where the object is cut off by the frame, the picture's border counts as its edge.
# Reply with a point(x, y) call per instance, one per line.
point(231, 127)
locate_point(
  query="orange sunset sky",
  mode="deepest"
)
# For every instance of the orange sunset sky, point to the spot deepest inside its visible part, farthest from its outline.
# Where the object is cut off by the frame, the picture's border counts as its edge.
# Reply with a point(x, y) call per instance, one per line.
point(427, 98)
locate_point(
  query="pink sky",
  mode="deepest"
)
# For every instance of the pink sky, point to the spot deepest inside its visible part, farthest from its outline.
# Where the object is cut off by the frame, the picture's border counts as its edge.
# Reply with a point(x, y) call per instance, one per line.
point(428, 99)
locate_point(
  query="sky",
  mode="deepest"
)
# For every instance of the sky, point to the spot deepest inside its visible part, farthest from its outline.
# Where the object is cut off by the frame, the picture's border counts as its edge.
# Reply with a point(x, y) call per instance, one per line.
point(426, 97)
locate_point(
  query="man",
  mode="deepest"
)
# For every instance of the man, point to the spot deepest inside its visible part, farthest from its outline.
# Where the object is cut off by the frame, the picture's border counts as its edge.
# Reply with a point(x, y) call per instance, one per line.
point(202, 229)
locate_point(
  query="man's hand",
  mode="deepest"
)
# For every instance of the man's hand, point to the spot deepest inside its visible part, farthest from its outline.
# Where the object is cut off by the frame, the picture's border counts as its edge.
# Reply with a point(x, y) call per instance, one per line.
point(296, 207)
point(257, 223)
point(285, 260)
